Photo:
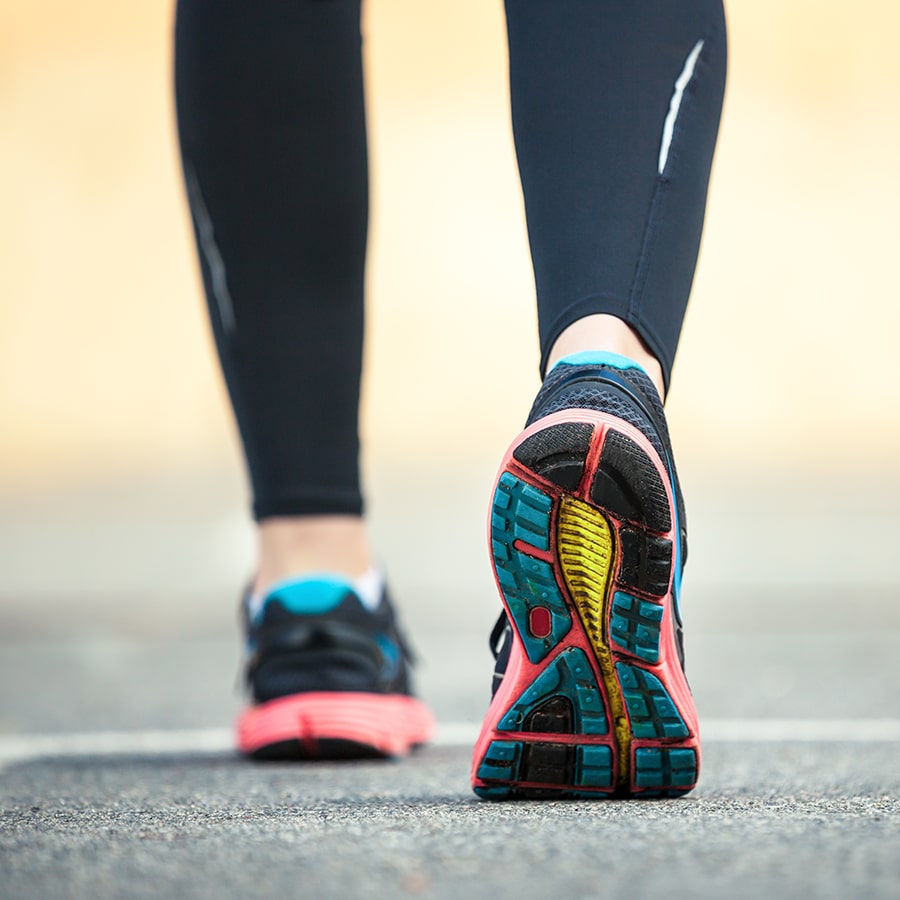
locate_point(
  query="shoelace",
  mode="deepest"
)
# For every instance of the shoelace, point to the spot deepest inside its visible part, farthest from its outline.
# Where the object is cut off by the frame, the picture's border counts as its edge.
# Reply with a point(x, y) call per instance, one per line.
point(500, 643)
point(495, 641)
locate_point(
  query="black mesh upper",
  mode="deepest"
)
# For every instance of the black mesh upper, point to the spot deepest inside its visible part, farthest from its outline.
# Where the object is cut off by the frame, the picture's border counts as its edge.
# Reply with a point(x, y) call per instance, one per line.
point(583, 387)
point(348, 648)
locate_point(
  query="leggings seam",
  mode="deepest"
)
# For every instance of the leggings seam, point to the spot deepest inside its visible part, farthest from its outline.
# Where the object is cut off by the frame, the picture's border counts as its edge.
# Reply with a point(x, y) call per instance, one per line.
point(656, 214)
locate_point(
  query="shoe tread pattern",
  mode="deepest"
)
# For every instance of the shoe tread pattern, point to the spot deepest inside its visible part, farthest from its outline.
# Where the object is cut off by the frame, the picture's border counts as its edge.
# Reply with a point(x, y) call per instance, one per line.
point(616, 569)
point(569, 676)
point(628, 485)
point(522, 513)
point(557, 454)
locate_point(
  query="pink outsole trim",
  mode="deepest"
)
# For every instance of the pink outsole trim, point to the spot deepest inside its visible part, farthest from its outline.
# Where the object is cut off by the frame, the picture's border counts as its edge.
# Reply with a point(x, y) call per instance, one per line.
point(521, 672)
point(388, 723)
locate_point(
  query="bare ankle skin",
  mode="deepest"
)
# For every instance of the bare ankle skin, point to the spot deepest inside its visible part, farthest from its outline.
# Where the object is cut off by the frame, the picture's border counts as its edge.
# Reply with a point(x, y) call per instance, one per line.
point(293, 545)
point(603, 332)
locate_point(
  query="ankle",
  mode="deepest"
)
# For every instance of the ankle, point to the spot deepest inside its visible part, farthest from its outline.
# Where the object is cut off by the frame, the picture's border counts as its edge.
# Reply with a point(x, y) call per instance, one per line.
point(291, 546)
point(604, 332)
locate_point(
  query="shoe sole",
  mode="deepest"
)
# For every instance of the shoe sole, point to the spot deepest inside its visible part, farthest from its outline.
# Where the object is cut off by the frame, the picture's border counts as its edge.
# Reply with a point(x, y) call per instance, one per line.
point(584, 541)
point(331, 725)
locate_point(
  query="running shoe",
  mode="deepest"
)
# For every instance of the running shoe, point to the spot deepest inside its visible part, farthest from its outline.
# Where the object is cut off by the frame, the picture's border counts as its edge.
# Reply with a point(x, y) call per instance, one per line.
point(328, 675)
point(587, 538)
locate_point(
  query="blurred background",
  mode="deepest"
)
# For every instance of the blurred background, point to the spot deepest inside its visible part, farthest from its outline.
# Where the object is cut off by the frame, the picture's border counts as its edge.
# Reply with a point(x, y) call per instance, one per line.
point(122, 495)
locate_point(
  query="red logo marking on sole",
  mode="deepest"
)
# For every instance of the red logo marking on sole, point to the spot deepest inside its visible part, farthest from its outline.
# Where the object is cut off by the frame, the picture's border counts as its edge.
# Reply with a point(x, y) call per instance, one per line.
point(540, 622)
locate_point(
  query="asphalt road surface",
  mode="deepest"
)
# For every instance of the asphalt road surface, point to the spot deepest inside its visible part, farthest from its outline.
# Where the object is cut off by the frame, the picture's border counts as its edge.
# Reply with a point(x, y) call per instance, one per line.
point(117, 778)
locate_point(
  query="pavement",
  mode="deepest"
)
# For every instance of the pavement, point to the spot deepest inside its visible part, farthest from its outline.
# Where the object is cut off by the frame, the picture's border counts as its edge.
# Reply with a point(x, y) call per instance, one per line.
point(117, 691)
point(769, 820)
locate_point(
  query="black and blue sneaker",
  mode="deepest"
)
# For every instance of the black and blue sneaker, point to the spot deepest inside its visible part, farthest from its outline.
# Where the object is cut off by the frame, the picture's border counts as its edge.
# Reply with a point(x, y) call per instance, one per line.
point(328, 676)
point(587, 537)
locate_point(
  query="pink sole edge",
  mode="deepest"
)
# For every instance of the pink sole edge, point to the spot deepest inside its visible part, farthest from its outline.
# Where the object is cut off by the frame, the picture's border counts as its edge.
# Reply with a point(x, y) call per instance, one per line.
point(387, 723)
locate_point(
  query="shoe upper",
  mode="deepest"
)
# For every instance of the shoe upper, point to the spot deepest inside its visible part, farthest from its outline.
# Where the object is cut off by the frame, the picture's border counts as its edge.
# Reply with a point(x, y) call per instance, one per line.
point(612, 384)
point(315, 634)
point(616, 385)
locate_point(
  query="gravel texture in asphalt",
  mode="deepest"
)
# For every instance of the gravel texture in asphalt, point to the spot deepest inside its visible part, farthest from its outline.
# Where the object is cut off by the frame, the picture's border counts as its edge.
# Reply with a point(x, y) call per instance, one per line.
point(769, 820)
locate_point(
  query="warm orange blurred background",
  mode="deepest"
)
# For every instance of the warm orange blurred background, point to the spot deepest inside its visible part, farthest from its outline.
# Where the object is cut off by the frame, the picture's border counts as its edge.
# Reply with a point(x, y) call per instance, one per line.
point(789, 357)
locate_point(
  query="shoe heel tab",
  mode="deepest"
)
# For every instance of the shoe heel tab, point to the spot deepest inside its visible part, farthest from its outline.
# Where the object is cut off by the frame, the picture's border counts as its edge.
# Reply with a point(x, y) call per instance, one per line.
point(308, 596)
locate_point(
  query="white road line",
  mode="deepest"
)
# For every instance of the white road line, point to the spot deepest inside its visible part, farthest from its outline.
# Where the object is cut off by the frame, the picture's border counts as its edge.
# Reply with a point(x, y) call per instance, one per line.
point(19, 747)
point(15, 747)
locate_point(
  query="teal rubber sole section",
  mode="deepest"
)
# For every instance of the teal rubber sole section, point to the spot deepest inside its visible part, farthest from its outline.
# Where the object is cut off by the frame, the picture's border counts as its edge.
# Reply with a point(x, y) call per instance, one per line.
point(634, 625)
point(569, 676)
point(503, 762)
point(595, 767)
point(651, 710)
point(522, 512)
point(666, 773)
point(493, 793)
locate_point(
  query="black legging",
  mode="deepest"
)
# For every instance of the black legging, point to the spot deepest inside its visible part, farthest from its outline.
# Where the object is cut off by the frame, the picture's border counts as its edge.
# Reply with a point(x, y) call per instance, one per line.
point(615, 107)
